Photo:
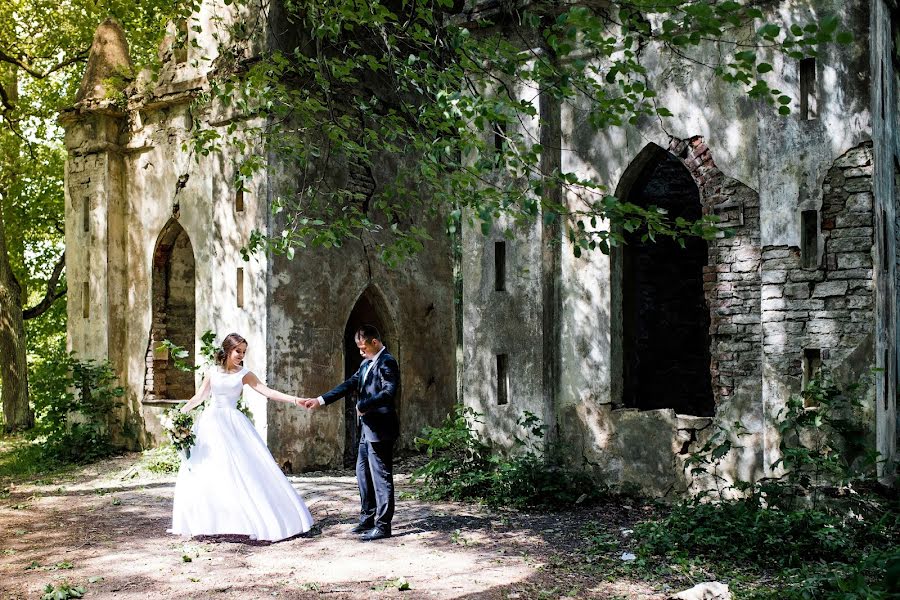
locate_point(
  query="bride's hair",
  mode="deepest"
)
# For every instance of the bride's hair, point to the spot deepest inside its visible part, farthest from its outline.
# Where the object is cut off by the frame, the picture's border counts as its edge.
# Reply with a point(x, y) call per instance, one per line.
point(228, 344)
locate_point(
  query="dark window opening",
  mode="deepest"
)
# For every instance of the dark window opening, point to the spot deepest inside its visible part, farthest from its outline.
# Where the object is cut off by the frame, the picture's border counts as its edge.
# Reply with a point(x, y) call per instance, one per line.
point(500, 266)
point(239, 200)
point(86, 214)
point(887, 377)
point(665, 315)
point(499, 130)
point(370, 309)
point(502, 379)
point(808, 108)
point(809, 238)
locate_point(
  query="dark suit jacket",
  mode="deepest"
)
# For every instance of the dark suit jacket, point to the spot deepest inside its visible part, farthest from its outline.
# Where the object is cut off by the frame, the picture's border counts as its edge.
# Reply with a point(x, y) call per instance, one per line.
point(376, 398)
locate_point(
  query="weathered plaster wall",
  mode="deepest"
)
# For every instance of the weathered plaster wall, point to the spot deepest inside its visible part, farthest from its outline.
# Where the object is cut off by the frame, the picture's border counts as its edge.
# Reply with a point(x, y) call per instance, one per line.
point(310, 301)
point(758, 171)
point(126, 162)
point(517, 321)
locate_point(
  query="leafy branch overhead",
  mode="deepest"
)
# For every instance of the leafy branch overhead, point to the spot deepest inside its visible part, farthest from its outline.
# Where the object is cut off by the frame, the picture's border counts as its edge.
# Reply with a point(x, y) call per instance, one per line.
point(446, 111)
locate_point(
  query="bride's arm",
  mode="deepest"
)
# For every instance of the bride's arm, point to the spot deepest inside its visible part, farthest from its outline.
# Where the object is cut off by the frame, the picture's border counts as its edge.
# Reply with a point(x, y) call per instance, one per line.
point(253, 381)
point(199, 397)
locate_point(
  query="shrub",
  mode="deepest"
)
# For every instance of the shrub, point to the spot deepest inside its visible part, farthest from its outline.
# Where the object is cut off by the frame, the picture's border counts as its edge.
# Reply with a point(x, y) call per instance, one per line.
point(821, 524)
point(463, 467)
point(73, 400)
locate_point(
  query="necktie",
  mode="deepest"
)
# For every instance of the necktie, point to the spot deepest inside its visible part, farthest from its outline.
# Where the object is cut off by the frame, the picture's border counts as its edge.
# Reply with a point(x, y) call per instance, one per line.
point(365, 371)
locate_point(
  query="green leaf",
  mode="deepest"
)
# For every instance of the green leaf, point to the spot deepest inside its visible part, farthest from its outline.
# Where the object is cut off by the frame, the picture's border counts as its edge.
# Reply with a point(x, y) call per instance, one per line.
point(844, 37)
point(763, 68)
point(829, 24)
point(769, 30)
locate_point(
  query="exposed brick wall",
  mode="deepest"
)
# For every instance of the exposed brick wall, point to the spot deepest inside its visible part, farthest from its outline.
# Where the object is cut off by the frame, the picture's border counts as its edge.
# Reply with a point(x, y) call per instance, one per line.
point(831, 306)
point(731, 279)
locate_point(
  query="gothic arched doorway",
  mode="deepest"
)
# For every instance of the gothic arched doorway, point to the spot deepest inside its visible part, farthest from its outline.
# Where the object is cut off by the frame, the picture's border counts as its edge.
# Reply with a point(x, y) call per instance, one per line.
point(370, 309)
point(173, 315)
point(665, 316)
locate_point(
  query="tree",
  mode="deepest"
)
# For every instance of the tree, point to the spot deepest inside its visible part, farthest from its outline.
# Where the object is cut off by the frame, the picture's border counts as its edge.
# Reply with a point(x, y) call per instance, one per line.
point(426, 80)
point(43, 48)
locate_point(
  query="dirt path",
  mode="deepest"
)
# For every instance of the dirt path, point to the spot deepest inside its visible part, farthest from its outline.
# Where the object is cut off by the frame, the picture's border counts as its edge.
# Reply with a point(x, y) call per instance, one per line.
point(104, 529)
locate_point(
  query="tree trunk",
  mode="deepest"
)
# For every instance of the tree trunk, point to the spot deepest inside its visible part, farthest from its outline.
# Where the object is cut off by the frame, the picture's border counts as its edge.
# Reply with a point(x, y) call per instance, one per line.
point(17, 413)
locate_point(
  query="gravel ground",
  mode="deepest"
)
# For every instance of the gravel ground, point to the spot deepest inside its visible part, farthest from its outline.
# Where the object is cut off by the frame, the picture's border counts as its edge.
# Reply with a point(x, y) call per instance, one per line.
point(104, 528)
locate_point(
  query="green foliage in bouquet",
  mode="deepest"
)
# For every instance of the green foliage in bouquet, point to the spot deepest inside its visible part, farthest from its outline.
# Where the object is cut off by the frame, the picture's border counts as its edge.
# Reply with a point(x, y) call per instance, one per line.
point(178, 426)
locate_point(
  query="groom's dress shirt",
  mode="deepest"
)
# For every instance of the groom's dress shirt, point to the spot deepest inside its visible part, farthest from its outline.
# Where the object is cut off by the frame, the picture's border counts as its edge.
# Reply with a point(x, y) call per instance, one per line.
point(364, 375)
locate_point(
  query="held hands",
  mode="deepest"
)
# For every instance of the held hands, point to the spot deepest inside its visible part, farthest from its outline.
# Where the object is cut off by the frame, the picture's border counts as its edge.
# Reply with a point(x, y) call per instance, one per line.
point(307, 403)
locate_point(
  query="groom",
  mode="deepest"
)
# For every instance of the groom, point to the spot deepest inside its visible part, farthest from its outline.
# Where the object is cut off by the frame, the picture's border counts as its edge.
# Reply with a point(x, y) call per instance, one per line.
point(376, 382)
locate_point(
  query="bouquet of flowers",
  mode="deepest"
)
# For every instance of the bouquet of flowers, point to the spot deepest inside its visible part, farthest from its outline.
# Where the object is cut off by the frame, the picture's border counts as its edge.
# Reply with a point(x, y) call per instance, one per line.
point(178, 425)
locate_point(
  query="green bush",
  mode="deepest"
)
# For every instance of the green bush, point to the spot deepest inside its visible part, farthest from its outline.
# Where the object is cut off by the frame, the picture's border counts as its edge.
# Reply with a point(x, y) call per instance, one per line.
point(462, 467)
point(73, 401)
point(825, 526)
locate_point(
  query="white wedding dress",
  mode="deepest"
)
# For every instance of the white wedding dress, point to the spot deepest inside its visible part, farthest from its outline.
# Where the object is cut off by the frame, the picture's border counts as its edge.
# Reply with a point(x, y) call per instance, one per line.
point(231, 484)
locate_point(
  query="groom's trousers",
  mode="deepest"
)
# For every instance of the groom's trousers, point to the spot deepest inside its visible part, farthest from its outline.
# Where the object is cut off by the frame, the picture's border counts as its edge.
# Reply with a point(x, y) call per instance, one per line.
point(375, 476)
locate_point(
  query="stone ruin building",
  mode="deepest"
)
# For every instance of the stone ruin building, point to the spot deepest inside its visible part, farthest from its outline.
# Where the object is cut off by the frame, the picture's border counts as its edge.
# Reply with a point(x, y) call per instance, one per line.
point(154, 238)
point(631, 358)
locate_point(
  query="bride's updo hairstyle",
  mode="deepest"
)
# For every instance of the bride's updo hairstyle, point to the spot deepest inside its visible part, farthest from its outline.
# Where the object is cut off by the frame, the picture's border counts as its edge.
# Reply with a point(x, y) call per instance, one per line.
point(231, 341)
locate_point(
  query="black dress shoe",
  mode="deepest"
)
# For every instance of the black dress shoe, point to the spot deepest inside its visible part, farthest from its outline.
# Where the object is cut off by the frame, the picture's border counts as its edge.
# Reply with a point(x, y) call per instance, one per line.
point(361, 528)
point(376, 533)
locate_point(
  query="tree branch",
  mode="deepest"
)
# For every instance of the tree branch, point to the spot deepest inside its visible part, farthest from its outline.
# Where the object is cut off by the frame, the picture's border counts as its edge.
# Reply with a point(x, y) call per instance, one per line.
point(52, 295)
point(77, 57)
point(4, 99)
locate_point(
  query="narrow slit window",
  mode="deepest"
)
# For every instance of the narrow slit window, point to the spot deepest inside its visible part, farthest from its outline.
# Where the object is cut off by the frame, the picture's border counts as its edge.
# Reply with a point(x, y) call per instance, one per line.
point(809, 238)
point(502, 379)
point(887, 379)
point(239, 200)
point(885, 242)
point(500, 266)
point(808, 108)
point(181, 42)
point(86, 214)
point(85, 300)
point(240, 287)
point(499, 130)
point(812, 364)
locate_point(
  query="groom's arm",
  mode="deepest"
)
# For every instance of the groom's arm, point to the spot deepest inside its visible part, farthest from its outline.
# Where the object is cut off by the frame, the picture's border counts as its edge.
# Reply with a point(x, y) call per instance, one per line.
point(340, 391)
point(389, 373)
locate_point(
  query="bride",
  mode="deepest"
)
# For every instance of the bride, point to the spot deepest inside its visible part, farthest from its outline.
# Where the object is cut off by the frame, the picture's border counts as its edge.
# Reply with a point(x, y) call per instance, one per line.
point(231, 484)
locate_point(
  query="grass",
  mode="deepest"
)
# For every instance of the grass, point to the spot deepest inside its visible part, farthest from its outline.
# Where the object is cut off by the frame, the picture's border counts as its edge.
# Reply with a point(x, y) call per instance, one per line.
point(22, 459)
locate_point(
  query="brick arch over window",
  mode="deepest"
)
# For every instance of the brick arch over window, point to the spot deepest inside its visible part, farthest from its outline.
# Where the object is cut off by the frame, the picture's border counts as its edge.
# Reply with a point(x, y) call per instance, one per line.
point(173, 315)
point(719, 286)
